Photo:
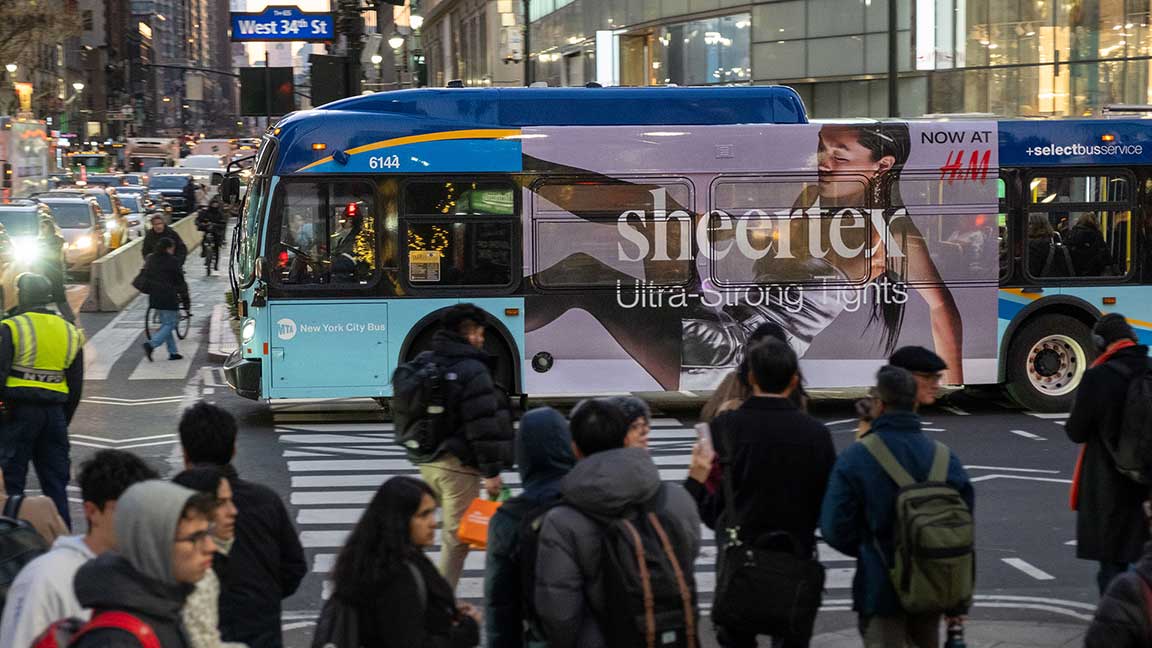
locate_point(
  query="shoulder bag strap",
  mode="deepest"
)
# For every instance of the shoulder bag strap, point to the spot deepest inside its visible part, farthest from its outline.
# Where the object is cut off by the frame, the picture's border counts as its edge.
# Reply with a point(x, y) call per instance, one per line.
point(939, 471)
point(421, 586)
point(12, 506)
point(876, 447)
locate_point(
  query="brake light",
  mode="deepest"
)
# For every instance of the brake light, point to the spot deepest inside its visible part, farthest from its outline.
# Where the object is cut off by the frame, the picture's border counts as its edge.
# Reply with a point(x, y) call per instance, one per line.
point(353, 210)
point(282, 258)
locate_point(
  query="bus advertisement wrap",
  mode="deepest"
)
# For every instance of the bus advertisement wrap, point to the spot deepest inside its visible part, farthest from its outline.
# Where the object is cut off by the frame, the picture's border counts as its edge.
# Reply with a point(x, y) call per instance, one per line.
point(657, 253)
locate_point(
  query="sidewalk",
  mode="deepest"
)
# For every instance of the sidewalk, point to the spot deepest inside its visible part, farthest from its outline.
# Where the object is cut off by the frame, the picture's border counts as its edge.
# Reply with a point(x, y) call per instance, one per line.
point(979, 634)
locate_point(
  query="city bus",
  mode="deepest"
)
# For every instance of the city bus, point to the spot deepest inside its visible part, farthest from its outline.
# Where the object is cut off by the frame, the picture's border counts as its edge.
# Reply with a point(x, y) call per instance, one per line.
point(631, 239)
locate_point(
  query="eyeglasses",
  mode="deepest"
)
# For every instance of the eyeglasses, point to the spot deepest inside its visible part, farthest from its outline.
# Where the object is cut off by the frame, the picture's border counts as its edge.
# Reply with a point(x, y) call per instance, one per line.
point(199, 536)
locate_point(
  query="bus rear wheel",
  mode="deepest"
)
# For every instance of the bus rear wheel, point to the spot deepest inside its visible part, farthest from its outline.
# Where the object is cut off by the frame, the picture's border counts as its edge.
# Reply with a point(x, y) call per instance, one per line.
point(1046, 361)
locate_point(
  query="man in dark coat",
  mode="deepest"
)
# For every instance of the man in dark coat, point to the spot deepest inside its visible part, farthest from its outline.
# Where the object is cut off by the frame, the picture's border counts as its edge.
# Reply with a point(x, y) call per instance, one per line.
point(165, 548)
point(266, 563)
point(544, 456)
point(480, 444)
point(161, 230)
point(1122, 618)
point(780, 462)
point(1110, 526)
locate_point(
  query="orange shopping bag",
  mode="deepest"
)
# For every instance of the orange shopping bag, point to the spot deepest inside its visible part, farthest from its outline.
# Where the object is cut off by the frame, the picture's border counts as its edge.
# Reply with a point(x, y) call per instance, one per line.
point(474, 524)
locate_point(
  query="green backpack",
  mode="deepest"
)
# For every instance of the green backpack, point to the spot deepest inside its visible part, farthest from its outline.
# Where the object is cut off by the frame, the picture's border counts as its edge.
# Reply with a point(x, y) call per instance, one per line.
point(935, 561)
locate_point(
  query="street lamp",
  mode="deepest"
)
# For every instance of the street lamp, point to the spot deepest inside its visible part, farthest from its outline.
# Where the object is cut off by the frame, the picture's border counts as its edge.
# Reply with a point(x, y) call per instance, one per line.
point(78, 87)
point(377, 59)
point(11, 67)
point(395, 41)
point(417, 21)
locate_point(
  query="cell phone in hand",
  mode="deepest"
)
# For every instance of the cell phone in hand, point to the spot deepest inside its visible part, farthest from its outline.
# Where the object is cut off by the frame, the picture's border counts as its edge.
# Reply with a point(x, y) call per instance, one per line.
point(704, 435)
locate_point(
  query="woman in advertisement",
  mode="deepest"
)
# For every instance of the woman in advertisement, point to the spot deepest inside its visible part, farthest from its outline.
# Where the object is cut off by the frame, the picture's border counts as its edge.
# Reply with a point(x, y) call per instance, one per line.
point(858, 184)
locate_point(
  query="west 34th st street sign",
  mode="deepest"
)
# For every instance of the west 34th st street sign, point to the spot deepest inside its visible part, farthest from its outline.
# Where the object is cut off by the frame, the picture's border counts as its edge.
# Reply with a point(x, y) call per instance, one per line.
point(283, 23)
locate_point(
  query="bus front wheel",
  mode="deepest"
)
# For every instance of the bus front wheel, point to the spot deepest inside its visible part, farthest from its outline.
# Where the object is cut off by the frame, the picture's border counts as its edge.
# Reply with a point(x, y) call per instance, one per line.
point(1046, 361)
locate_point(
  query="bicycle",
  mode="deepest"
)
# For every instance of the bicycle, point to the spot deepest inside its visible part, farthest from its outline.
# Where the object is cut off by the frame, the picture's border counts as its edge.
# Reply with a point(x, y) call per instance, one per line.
point(152, 323)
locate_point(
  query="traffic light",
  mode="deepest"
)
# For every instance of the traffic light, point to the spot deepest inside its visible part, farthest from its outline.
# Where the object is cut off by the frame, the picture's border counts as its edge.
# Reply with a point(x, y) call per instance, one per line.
point(7, 171)
point(329, 78)
point(267, 91)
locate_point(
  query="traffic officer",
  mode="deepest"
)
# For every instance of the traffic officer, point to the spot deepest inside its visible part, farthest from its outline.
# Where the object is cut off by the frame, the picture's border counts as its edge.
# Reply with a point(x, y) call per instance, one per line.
point(42, 366)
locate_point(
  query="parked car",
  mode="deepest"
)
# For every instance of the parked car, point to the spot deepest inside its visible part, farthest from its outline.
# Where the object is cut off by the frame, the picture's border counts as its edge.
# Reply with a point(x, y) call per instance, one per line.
point(82, 224)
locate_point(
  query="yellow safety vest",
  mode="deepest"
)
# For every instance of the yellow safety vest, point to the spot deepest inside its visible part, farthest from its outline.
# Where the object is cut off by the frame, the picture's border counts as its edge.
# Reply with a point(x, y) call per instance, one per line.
point(43, 346)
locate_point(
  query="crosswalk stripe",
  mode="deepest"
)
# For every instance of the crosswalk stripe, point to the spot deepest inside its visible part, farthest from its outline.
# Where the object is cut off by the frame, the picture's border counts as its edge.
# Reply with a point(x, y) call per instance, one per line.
point(104, 349)
point(164, 369)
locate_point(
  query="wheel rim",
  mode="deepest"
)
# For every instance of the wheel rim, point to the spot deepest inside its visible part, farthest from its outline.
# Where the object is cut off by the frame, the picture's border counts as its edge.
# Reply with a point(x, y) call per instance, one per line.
point(1055, 365)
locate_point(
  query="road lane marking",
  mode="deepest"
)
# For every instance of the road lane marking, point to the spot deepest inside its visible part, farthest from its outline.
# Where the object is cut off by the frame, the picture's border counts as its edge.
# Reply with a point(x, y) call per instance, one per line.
point(1049, 415)
point(1028, 568)
point(1025, 470)
point(1028, 435)
point(104, 349)
point(955, 410)
point(831, 423)
point(1020, 477)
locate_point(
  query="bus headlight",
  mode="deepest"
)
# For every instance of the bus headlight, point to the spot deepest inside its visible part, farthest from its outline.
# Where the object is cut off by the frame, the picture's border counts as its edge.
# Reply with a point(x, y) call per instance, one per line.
point(247, 331)
point(25, 249)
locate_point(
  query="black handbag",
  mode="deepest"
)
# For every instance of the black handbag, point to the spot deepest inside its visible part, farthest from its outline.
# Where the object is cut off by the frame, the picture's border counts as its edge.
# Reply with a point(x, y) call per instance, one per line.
point(769, 587)
point(338, 626)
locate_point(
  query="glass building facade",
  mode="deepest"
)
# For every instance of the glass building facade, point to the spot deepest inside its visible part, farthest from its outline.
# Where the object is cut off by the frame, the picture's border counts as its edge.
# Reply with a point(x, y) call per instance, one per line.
point(1005, 57)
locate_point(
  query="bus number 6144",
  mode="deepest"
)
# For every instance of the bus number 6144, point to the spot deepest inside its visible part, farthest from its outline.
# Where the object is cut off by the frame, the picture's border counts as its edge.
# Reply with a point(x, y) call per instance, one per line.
point(384, 162)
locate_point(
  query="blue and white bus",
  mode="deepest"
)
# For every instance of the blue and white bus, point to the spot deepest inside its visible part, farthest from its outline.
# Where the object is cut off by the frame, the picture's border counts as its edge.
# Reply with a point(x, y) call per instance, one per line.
point(630, 239)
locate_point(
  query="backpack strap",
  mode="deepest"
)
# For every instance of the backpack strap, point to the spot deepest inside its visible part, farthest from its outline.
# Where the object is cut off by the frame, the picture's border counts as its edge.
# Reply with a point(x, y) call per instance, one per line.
point(12, 506)
point(681, 582)
point(116, 620)
point(879, 451)
point(939, 471)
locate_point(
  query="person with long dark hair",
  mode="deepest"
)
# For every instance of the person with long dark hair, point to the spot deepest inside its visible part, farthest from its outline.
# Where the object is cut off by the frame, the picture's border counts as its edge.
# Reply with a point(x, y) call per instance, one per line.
point(382, 573)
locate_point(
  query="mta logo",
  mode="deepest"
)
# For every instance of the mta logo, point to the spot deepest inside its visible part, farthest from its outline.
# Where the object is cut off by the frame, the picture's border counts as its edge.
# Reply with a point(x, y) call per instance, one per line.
point(285, 329)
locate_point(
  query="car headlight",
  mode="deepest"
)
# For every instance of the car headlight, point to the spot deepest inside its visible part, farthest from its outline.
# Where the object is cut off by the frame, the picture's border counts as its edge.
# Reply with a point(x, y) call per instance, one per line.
point(248, 331)
point(25, 249)
point(82, 243)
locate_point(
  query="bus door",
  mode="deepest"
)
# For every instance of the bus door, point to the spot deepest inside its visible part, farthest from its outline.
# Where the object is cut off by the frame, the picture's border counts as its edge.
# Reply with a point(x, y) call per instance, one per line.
point(328, 331)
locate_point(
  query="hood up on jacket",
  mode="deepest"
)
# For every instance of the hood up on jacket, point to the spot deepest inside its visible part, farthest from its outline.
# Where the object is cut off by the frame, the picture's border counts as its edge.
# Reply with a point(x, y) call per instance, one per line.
point(111, 582)
point(147, 515)
point(608, 483)
point(543, 452)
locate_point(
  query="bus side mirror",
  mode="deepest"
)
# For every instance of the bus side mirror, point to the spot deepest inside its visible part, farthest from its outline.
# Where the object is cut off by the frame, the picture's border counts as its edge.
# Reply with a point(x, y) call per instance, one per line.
point(230, 189)
point(7, 180)
point(217, 178)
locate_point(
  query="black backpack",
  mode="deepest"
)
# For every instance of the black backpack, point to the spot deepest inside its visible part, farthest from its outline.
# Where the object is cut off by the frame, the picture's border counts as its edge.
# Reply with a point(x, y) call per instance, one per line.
point(20, 544)
point(651, 596)
point(1131, 449)
point(418, 405)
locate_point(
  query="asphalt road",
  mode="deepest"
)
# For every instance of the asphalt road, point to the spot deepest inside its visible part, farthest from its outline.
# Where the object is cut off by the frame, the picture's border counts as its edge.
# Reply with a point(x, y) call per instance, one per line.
point(326, 461)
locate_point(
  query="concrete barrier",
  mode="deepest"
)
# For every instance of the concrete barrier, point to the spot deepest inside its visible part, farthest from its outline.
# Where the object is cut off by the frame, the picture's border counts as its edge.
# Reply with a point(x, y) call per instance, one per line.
point(110, 284)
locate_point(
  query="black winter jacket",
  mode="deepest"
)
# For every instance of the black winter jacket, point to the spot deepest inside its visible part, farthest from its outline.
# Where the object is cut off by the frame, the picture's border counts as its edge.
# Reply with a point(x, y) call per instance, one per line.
point(110, 583)
point(266, 565)
point(1110, 524)
point(151, 238)
point(164, 281)
point(393, 617)
point(781, 459)
point(1122, 616)
point(483, 419)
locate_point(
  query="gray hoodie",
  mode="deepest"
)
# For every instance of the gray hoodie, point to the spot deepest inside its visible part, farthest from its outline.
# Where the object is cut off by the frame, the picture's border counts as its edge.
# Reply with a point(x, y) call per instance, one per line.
point(138, 577)
point(605, 485)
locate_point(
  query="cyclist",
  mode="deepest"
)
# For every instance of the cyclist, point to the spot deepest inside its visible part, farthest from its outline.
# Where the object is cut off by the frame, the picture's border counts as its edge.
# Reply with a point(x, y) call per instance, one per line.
point(212, 221)
point(167, 293)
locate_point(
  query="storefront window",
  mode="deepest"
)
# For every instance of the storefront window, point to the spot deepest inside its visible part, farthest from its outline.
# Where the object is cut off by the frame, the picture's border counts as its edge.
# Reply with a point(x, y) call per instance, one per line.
point(701, 52)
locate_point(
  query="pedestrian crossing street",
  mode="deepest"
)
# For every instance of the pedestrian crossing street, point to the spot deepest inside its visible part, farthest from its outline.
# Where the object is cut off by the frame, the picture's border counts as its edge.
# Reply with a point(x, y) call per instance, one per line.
point(335, 468)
